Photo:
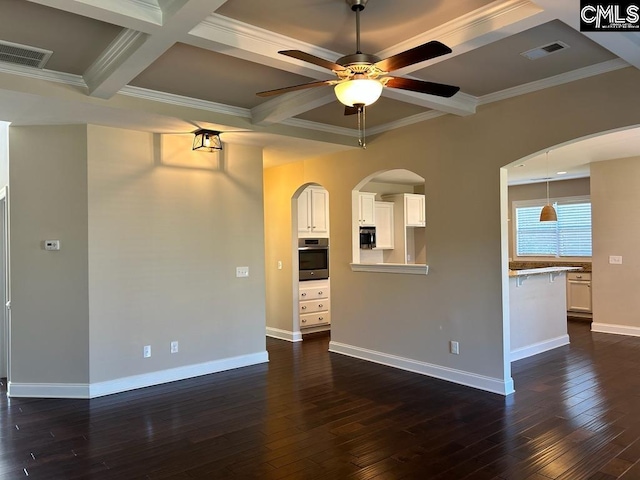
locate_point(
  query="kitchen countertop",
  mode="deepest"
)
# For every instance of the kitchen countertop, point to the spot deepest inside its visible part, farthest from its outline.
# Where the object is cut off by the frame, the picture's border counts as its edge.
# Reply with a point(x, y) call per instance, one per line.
point(523, 265)
point(539, 271)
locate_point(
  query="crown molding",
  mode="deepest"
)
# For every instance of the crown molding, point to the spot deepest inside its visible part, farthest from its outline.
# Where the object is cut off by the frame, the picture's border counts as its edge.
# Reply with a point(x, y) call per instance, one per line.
point(182, 101)
point(320, 127)
point(579, 74)
point(404, 122)
point(46, 75)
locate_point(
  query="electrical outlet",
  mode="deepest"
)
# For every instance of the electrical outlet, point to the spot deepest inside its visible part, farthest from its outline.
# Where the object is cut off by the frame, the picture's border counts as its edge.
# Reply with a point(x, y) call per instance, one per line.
point(242, 271)
point(615, 259)
point(146, 351)
point(454, 347)
point(279, 264)
point(174, 346)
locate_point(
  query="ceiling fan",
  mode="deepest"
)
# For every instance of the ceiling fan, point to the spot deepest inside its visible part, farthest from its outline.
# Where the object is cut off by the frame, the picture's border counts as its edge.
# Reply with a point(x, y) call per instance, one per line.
point(362, 76)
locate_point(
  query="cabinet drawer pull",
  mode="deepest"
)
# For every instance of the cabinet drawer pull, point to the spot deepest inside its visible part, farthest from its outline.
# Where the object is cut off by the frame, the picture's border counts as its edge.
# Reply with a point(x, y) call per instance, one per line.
point(303, 295)
point(304, 307)
point(578, 276)
point(320, 305)
point(320, 318)
point(304, 320)
point(320, 292)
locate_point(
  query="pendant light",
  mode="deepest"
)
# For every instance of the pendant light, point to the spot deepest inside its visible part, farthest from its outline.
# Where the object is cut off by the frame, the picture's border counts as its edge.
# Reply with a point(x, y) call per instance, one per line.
point(548, 213)
point(207, 140)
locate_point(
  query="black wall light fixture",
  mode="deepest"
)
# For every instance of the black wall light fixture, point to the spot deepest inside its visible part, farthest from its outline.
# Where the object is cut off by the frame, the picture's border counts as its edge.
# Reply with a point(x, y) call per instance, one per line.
point(207, 140)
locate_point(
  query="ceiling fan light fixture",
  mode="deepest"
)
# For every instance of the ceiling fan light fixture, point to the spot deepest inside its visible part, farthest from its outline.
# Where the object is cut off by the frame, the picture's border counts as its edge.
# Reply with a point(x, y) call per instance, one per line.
point(207, 140)
point(359, 91)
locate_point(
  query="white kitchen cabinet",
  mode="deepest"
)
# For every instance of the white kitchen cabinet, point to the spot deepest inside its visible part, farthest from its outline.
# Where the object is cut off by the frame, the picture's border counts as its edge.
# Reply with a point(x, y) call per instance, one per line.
point(409, 238)
point(414, 210)
point(366, 209)
point(579, 292)
point(384, 225)
point(313, 212)
point(314, 303)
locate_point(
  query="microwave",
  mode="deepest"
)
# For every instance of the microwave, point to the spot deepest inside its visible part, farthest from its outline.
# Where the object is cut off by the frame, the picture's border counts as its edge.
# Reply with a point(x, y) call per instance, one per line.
point(313, 258)
point(367, 238)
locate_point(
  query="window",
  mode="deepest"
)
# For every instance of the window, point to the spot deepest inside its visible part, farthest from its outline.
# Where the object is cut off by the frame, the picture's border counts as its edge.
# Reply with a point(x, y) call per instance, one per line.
point(570, 236)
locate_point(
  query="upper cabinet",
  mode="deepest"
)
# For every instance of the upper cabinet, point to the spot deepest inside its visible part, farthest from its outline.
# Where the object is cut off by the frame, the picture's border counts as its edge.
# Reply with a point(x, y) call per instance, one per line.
point(313, 212)
point(367, 209)
point(414, 210)
point(384, 226)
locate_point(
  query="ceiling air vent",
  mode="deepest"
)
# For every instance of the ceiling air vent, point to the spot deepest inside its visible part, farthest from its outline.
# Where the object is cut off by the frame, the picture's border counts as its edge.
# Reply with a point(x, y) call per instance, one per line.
point(23, 55)
point(539, 52)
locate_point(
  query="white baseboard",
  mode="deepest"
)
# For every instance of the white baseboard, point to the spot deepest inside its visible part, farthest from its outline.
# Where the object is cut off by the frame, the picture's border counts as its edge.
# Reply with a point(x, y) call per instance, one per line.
point(284, 334)
point(539, 347)
point(49, 390)
point(617, 329)
point(489, 384)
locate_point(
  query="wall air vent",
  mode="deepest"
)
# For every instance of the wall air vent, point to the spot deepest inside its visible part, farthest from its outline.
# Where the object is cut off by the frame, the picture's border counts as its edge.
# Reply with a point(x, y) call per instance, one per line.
point(543, 51)
point(23, 55)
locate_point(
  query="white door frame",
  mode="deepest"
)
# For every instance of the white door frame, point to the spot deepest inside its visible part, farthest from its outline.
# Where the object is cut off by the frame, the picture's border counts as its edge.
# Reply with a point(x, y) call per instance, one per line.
point(5, 308)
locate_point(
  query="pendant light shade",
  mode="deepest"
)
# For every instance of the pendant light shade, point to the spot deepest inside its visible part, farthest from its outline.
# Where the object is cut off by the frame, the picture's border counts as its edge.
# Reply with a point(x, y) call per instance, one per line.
point(359, 91)
point(548, 213)
point(207, 140)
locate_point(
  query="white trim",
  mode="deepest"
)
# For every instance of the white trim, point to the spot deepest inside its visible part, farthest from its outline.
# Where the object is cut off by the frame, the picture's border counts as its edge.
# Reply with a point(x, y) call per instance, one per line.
point(568, 77)
point(181, 101)
point(48, 390)
point(46, 75)
point(73, 390)
point(414, 269)
point(403, 122)
point(615, 329)
point(469, 379)
point(284, 334)
point(320, 127)
point(539, 347)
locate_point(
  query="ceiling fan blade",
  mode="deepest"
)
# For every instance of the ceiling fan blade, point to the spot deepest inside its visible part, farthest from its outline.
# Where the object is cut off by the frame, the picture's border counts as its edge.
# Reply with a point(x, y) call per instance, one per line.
point(307, 57)
point(417, 54)
point(439, 89)
point(278, 91)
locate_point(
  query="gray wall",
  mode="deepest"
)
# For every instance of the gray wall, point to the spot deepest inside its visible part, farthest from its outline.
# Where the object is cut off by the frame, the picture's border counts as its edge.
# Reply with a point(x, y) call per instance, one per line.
point(49, 295)
point(151, 234)
point(615, 202)
point(461, 298)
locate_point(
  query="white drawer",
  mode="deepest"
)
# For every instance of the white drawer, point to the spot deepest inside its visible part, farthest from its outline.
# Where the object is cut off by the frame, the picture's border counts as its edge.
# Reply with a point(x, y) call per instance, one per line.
point(579, 276)
point(309, 306)
point(311, 293)
point(314, 319)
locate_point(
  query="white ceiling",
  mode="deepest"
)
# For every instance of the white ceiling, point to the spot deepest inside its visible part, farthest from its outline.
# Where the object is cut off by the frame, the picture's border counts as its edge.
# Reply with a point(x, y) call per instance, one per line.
point(173, 66)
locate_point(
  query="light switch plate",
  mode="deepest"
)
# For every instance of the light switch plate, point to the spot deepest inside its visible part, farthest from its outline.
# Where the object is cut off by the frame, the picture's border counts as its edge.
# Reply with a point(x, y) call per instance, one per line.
point(615, 259)
point(242, 271)
point(52, 245)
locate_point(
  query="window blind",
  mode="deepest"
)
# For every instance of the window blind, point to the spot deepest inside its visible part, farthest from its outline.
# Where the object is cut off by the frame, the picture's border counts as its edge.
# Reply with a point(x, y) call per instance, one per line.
point(570, 236)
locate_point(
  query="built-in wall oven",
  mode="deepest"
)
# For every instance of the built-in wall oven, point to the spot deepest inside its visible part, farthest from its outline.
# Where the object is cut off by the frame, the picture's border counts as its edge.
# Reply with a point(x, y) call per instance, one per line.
point(313, 258)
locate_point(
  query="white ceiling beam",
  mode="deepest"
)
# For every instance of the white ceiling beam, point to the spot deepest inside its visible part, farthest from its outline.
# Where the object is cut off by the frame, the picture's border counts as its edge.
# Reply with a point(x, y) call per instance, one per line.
point(625, 45)
point(130, 54)
point(291, 104)
point(145, 16)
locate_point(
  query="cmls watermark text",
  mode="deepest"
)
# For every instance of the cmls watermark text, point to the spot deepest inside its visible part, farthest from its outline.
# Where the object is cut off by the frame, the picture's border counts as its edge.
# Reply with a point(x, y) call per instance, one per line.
point(608, 17)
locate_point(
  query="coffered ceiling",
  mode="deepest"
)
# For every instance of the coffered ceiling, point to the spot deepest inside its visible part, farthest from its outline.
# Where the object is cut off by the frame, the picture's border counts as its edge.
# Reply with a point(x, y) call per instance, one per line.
point(199, 63)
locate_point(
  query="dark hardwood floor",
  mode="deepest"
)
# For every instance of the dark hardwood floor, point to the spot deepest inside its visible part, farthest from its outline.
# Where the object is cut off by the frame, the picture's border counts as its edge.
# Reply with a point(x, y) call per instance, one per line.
point(309, 414)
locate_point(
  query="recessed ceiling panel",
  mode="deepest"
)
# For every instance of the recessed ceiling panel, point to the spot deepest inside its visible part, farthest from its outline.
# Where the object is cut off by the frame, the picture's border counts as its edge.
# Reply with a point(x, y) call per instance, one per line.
point(76, 41)
point(331, 23)
point(384, 111)
point(499, 65)
point(199, 73)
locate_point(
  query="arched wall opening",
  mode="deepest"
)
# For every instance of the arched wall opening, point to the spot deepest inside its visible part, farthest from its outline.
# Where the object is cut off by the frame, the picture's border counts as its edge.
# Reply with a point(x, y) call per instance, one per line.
point(389, 219)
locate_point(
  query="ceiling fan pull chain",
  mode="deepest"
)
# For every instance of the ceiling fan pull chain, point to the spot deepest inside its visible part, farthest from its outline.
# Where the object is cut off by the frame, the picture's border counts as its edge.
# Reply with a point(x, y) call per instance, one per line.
point(362, 141)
